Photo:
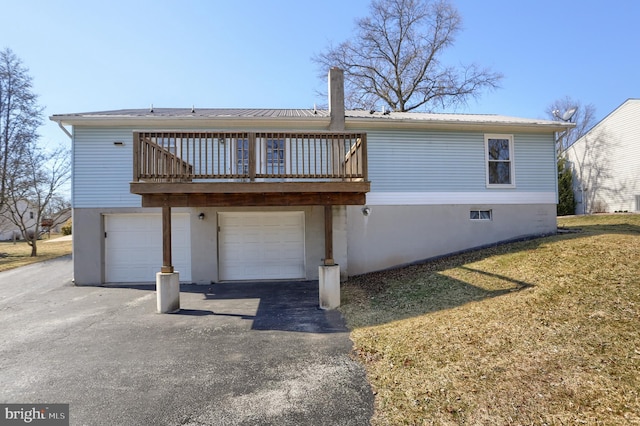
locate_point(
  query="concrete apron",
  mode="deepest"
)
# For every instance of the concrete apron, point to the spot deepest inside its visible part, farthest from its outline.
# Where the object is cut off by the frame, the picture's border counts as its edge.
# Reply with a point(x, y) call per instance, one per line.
point(329, 286)
point(168, 292)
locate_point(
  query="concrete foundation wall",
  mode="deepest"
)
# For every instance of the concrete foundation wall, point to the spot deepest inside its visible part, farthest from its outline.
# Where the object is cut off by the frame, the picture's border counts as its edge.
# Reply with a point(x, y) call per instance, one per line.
point(396, 235)
point(389, 236)
point(89, 243)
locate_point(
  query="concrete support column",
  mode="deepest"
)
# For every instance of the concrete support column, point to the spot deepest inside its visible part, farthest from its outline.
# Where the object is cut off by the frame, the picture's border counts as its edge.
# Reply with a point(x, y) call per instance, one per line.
point(329, 286)
point(168, 292)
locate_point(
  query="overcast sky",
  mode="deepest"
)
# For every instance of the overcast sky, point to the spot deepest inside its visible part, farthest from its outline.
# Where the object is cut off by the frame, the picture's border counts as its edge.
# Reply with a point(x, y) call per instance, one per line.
point(90, 55)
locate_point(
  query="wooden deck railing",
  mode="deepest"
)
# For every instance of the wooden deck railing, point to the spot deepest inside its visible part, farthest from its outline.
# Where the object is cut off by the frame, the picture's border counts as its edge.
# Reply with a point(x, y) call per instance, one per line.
point(249, 156)
point(160, 164)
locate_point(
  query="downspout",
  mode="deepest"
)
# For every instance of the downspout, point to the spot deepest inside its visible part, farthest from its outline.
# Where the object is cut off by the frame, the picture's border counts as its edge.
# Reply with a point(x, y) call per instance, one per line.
point(64, 129)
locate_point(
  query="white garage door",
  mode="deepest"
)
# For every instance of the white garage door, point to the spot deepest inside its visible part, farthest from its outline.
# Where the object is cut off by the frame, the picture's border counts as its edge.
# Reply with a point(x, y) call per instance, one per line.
point(133, 247)
point(261, 246)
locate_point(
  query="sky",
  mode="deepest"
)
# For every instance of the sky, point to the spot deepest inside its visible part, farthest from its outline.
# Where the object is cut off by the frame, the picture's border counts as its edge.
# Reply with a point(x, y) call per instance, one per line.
point(90, 55)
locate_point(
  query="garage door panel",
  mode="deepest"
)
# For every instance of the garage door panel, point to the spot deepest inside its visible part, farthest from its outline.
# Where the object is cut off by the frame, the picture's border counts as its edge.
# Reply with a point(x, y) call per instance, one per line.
point(133, 247)
point(261, 245)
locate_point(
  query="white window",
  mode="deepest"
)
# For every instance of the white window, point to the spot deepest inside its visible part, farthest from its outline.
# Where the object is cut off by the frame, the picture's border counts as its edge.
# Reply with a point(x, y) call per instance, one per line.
point(242, 156)
point(499, 161)
point(275, 156)
point(480, 215)
point(270, 156)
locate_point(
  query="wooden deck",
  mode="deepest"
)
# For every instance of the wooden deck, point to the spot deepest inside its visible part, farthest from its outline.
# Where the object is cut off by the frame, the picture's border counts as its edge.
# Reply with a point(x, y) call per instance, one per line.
point(196, 169)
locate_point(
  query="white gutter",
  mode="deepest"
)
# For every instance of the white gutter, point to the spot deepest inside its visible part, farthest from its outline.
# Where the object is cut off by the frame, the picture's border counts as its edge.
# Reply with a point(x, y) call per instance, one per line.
point(198, 122)
point(64, 129)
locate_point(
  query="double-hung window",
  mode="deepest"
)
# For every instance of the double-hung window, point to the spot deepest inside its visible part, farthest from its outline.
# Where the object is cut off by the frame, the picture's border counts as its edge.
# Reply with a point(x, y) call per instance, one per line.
point(275, 156)
point(242, 156)
point(499, 161)
point(270, 156)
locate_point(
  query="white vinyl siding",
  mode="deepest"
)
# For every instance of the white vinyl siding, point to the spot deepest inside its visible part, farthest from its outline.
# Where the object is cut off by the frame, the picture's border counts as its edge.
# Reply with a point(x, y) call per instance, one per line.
point(102, 171)
point(412, 161)
point(399, 161)
point(425, 161)
point(608, 170)
point(459, 197)
point(535, 162)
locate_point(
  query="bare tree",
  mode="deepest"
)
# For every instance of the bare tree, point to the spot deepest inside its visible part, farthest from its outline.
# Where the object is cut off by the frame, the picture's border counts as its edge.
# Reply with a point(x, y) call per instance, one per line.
point(584, 119)
point(33, 192)
point(20, 115)
point(395, 57)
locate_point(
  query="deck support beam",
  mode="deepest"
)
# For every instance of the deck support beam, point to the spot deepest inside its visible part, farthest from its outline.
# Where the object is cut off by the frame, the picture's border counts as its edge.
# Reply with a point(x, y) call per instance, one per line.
point(253, 199)
point(328, 236)
point(167, 265)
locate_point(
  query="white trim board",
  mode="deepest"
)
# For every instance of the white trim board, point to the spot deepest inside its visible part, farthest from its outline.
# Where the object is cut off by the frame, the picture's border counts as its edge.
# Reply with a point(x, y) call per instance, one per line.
point(448, 198)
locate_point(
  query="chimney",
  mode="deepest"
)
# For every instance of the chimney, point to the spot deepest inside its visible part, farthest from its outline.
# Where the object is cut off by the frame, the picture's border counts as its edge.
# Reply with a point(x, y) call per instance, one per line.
point(336, 99)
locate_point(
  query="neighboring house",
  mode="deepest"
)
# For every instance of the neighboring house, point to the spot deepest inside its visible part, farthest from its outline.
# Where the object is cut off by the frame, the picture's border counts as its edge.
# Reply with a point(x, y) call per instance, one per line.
point(263, 194)
point(9, 230)
point(56, 221)
point(606, 163)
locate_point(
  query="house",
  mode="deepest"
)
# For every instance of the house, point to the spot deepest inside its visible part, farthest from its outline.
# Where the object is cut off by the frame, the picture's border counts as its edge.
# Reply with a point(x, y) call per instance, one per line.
point(23, 211)
point(261, 194)
point(605, 163)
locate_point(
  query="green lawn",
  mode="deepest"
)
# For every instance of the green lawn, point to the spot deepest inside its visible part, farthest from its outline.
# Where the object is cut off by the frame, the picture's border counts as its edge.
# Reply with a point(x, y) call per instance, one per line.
point(545, 331)
point(14, 255)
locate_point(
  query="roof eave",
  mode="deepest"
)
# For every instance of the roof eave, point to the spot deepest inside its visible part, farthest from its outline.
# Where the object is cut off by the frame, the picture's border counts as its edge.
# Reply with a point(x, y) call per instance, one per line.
point(458, 125)
point(198, 121)
point(302, 122)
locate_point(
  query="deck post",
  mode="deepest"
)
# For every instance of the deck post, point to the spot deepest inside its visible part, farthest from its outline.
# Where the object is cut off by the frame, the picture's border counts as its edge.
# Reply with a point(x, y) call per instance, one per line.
point(329, 272)
point(167, 266)
point(328, 236)
point(252, 157)
point(167, 280)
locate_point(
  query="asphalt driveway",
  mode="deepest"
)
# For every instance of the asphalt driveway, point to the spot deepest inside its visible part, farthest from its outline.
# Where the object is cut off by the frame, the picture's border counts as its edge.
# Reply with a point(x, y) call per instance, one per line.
point(237, 354)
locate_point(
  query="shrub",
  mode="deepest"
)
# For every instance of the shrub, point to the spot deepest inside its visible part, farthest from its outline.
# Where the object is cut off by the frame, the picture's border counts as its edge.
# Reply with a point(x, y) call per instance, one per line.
point(566, 198)
point(66, 228)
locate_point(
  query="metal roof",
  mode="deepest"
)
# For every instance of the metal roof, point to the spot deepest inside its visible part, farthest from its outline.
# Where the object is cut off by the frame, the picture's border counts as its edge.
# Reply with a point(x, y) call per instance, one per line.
point(199, 113)
point(377, 118)
point(447, 117)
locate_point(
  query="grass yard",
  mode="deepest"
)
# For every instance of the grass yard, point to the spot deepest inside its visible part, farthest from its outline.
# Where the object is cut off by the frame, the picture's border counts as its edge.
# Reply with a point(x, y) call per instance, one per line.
point(19, 254)
point(543, 332)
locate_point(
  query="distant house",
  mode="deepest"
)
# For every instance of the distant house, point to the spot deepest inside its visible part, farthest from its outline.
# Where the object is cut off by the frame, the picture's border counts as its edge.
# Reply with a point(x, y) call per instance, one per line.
point(606, 163)
point(9, 230)
point(271, 194)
